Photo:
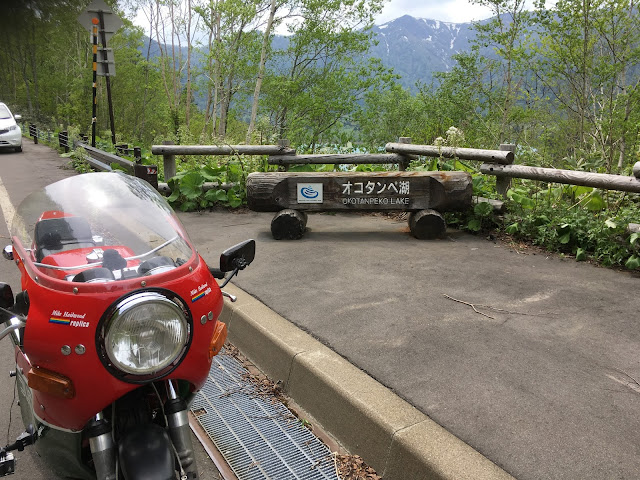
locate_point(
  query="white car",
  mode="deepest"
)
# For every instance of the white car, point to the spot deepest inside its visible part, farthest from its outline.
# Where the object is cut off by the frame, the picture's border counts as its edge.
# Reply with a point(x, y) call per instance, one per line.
point(10, 133)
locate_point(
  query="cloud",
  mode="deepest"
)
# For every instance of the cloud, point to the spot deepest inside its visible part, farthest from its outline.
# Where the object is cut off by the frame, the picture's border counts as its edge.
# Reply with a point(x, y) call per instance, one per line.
point(456, 11)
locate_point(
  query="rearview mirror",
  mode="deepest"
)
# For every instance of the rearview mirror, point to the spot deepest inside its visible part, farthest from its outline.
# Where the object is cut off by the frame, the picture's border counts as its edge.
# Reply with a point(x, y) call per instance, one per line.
point(6, 295)
point(238, 256)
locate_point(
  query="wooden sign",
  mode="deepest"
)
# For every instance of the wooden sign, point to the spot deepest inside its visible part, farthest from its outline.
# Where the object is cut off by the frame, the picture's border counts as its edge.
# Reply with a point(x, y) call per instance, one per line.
point(358, 191)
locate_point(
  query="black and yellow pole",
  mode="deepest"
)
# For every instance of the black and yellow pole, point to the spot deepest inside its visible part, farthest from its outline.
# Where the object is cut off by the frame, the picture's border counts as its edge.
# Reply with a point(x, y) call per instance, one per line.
point(95, 23)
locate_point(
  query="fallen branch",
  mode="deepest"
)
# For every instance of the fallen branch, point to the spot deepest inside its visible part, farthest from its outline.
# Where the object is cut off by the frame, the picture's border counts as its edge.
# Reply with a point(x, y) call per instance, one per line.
point(501, 310)
point(470, 305)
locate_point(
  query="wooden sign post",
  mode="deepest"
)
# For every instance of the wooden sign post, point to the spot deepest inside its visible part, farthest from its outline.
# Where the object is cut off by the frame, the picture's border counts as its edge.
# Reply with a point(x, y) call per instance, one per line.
point(425, 194)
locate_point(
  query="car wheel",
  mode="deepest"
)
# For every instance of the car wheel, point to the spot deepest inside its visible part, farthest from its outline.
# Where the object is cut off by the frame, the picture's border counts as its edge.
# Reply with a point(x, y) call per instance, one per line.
point(18, 149)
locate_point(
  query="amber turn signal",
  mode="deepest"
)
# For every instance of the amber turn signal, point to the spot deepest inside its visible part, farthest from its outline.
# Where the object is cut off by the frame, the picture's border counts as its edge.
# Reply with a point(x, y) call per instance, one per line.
point(53, 383)
point(219, 337)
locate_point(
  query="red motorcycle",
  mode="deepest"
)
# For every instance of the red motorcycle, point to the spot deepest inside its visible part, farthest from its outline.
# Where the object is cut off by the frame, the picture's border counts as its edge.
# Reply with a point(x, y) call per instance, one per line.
point(115, 327)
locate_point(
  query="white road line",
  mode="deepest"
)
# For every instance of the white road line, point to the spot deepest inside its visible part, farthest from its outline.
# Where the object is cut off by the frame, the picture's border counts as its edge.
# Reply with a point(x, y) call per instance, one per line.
point(7, 207)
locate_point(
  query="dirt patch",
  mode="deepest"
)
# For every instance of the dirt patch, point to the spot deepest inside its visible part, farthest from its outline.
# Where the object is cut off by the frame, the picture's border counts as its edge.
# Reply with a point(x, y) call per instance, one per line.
point(352, 467)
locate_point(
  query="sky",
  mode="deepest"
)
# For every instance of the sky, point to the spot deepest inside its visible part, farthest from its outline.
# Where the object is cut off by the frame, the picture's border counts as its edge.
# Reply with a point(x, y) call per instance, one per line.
point(455, 11)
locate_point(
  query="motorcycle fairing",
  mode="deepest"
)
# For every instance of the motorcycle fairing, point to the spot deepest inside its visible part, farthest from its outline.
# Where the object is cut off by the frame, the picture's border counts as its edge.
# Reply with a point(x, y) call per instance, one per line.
point(44, 338)
point(64, 311)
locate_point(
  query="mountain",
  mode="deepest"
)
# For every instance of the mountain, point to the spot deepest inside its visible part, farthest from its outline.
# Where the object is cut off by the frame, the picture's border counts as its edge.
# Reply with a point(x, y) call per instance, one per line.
point(416, 48)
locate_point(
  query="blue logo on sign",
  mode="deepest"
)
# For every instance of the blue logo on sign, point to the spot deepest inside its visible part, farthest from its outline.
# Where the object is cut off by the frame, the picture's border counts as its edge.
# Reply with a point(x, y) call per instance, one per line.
point(308, 192)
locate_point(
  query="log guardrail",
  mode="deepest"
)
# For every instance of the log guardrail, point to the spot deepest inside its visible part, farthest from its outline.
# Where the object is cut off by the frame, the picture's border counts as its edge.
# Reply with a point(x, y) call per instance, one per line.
point(284, 156)
point(494, 156)
point(336, 158)
point(604, 181)
point(168, 151)
point(277, 193)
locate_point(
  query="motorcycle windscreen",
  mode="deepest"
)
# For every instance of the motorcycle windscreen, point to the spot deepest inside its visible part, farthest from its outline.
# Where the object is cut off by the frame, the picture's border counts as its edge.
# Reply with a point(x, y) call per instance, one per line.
point(100, 227)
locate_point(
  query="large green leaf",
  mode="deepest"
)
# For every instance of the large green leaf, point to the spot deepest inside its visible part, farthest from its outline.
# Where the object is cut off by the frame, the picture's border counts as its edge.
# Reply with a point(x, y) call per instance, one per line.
point(484, 209)
point(595, 203)
point(188, 206)
point(580, 190)
point(633, 262)
point(566, 238)
point(524, 201)
point(234, 200)
point(175, 190)
point(474, 225)
point(212, 174)
point(191, 185)
point(513, 228)
point(216, 196)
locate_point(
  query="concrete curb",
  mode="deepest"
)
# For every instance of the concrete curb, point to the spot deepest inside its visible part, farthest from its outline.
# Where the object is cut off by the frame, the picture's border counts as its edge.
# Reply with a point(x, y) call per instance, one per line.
point(399, 441)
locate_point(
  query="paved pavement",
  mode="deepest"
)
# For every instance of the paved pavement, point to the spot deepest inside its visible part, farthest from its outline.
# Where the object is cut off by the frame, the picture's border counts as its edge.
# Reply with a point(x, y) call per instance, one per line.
point(543, 386)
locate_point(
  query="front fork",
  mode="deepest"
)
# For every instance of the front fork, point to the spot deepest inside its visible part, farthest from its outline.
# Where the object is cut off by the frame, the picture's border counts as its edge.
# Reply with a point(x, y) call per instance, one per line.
point(178, 423)
point(103, 449)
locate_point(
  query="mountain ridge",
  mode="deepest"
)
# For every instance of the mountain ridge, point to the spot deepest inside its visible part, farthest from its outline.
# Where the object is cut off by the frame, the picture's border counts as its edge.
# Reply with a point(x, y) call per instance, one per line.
point(416, 48)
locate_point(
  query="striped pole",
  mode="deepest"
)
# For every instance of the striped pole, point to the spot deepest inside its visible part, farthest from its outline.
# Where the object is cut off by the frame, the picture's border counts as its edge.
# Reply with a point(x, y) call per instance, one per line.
point(95, 22)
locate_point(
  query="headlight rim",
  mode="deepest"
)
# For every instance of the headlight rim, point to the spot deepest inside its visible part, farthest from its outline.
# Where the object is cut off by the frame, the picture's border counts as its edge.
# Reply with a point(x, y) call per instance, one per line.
point(101, 332)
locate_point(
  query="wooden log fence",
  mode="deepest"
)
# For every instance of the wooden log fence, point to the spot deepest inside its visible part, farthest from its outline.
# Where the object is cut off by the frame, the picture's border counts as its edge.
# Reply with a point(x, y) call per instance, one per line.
point(169, 149)
point(292, 220)
point(340, 159)
point(493, 156)
point(605, 181)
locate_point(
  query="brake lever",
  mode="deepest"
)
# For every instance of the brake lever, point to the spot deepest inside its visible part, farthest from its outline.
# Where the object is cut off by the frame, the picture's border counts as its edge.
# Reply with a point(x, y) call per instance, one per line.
point(233, 298)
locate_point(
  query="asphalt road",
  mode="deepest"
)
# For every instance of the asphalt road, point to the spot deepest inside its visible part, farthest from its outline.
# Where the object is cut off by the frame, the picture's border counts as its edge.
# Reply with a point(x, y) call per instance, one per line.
point(544, 385)
point(21, 174)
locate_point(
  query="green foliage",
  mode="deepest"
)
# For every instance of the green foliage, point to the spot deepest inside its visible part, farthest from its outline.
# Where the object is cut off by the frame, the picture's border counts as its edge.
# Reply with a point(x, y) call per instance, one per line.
point(555, 218)
point(229, 177)
point(323, 73)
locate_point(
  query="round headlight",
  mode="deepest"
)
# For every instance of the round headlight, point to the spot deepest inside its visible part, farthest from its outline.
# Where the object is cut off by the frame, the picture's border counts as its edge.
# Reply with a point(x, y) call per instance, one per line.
point(146, 333)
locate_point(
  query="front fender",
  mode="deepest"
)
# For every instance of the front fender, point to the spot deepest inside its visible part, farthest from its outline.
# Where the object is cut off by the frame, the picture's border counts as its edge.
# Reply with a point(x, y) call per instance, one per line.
point(145, 453)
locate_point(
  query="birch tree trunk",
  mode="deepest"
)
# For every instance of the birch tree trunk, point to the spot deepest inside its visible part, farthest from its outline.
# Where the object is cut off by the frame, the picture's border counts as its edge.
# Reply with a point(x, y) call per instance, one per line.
point(189, 46)
point(263, 60)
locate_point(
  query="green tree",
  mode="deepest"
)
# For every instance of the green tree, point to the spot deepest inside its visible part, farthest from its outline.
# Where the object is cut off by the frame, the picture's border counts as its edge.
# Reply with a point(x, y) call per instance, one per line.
point(232, 57)
point(139, 111)
point(36, 35)
point(507, 34)
point(588, 57)
point(315, 84)
point(391, 113)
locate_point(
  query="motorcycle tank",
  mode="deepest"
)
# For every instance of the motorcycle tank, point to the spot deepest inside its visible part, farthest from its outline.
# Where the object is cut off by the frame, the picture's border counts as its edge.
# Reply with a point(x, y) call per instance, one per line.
point(97, 252)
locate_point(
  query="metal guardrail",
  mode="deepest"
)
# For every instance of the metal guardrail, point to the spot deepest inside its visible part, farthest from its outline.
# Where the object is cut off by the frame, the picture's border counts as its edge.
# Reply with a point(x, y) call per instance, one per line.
point(67, 143)
point(96, 158)
point(101, 158)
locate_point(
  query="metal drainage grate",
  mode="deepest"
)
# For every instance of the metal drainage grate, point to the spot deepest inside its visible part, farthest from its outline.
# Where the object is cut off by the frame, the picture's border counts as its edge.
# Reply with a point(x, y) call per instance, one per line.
point(256, 434)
